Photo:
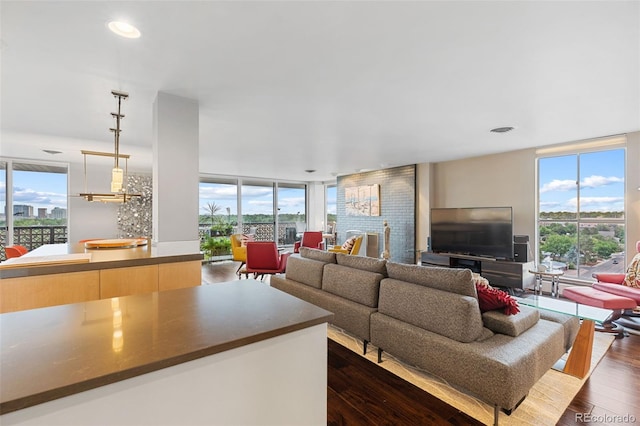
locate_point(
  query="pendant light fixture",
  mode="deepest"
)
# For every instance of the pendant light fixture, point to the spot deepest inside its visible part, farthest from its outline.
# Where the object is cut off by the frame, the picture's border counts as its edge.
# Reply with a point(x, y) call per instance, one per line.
point(117, 175)
point(118, 191)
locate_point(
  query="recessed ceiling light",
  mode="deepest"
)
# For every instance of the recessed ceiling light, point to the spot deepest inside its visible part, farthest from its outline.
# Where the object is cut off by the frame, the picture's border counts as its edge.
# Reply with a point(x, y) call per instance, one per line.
point(124, 29)
point(51, 151)
point(502, 129)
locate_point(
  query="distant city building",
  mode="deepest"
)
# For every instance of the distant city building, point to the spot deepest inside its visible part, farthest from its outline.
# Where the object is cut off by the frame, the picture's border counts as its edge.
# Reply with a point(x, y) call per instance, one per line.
point(58, 213)
point(22, 210)
point(42, 213)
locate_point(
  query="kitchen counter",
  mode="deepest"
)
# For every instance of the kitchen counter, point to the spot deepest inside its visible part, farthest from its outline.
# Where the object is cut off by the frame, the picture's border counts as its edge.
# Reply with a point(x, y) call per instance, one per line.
point(108, 273)
point(104, 258)
point(61, 351)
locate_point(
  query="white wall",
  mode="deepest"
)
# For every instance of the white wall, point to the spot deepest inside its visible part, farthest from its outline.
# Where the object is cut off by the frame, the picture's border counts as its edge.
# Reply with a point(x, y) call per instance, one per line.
point(175, 170)
point(500, 180)
point(315, 207)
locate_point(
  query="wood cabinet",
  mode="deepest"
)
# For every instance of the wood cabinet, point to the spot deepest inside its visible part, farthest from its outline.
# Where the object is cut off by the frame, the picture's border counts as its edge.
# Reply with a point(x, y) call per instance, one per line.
point(172, 276)
point(21, 293)
point(128, 281)
point(17, 294)
point(499, 273)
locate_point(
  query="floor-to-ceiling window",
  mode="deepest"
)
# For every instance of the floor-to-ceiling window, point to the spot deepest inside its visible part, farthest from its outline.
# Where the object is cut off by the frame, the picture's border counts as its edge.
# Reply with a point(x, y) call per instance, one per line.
point(34, 199)
point(258, 216)
point(218, 216)
point(269, 210)
point(292, 212)
point(581, 212)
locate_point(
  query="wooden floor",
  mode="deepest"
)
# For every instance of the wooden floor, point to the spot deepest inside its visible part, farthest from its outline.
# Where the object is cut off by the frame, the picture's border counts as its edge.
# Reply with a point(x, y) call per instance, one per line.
point(371, 395)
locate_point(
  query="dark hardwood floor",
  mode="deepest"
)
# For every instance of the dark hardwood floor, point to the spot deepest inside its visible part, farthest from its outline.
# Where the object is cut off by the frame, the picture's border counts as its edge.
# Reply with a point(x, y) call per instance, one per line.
point(371, 395)
point(362, 393)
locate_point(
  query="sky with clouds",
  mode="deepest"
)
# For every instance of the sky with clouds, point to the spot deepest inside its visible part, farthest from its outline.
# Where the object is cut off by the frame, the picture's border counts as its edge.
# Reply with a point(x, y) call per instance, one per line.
point(600, 176)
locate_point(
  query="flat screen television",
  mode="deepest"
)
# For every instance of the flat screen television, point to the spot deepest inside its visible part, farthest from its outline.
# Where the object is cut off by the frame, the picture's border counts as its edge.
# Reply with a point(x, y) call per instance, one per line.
point(477, 231)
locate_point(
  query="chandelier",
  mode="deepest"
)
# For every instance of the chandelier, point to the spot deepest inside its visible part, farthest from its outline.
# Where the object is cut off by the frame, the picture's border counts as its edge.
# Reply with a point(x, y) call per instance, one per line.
point(118, 192)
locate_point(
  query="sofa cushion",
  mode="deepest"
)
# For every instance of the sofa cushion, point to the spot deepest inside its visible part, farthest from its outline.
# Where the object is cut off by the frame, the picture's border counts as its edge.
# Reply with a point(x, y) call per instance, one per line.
point(315, 254)
point(305, 271)
point(448, 314)
point(511, 325)
point(350, 316)
point(363, 263)
point(570, 325)
point(352, 284)
point(446, 279)
point(500, 370)
point(620, 290)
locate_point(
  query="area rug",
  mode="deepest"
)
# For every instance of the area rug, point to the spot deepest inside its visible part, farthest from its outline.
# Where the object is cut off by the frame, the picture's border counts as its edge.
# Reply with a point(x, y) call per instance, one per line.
point(544, 405)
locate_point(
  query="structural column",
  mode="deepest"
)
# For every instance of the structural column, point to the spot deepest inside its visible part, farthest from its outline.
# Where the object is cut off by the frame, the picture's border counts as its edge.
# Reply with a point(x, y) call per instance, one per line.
point(175, 173)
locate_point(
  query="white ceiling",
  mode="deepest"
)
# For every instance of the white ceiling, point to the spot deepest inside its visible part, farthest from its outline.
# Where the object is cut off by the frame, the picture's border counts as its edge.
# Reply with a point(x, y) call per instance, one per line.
point(331, 86)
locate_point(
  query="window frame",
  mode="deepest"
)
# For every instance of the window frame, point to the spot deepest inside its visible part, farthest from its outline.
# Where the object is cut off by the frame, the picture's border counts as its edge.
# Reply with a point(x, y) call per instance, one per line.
point(578, 149)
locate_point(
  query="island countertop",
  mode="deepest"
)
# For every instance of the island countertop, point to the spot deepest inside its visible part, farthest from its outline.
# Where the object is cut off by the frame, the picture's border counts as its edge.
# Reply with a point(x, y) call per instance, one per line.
point(100, 259)
point(54, 352)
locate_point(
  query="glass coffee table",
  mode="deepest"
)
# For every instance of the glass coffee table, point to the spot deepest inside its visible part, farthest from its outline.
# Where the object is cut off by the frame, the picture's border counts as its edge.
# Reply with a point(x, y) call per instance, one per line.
point(579, 360)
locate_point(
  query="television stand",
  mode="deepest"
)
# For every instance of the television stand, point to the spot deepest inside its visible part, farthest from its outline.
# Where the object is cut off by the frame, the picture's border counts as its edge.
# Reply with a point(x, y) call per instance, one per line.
point(499, 273)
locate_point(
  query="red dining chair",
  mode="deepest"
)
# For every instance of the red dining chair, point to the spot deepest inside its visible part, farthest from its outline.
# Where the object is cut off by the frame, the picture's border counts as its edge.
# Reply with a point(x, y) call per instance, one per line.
point(263, 259)
point(15, 251)
point(311, 239)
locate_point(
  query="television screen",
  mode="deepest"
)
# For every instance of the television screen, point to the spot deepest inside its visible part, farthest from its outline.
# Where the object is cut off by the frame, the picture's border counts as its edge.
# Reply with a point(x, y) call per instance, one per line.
point(478, 231)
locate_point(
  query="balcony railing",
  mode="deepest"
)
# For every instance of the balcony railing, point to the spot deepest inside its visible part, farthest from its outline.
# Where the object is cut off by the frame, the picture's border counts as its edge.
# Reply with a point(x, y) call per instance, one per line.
point(33, 237)
point(262, 231)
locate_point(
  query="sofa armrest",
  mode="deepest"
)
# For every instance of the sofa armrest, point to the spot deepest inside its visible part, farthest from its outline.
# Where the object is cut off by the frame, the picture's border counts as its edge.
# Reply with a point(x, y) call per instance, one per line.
point(511, 325)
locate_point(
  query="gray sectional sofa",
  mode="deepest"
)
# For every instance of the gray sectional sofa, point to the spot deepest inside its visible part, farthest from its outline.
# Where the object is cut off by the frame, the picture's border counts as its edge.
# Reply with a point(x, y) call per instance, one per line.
point(430, 318)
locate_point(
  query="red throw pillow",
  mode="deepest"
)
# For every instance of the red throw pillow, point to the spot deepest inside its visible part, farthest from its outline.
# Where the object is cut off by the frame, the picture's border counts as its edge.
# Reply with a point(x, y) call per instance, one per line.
point(491, 299)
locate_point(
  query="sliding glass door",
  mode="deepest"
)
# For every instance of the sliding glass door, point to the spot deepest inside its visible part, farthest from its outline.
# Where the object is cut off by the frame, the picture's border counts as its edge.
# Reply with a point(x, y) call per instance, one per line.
point(258, 216)
point(292, 218)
